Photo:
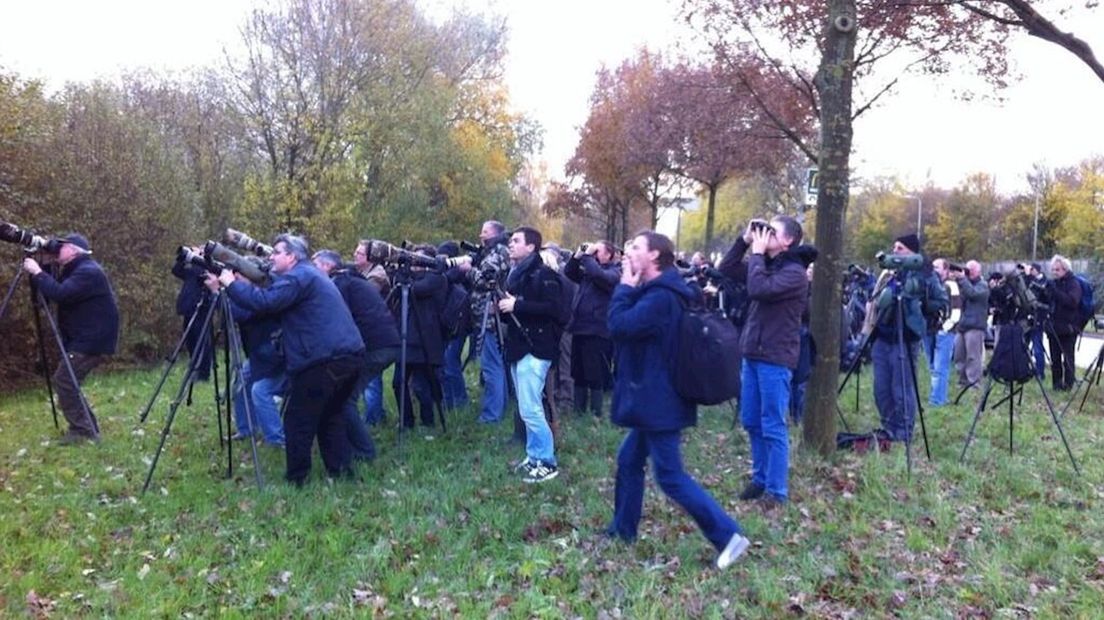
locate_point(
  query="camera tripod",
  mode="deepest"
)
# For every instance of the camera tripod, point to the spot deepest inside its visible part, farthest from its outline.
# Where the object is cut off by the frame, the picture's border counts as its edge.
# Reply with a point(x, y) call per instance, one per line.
point(39, 307)
point(1089, 379)
point(204, 347)
point(904, 353)
point(219, 308)
point(491, 309)
point(1012, 384)
point(402, 282)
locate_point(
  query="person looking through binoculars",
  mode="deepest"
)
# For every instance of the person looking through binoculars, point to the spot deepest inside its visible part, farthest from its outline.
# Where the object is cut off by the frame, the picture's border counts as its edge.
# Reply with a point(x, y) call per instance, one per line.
point(596, 272)
point(88, 319)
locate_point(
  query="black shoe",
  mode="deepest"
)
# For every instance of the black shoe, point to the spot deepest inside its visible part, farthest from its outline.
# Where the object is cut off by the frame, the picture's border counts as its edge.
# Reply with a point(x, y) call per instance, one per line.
point(752, 491)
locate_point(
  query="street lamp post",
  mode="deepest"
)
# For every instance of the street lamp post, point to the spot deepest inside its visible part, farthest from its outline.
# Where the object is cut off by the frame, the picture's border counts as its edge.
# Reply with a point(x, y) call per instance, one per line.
point(1035, 231)
point(919, 213)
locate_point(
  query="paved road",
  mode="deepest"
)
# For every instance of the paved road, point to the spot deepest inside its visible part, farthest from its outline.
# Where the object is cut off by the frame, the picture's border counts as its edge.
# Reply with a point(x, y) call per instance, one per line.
point(1088, 348)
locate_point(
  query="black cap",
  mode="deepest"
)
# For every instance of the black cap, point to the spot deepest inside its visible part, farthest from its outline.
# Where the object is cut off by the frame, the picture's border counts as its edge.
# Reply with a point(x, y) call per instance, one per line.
point(910, 241)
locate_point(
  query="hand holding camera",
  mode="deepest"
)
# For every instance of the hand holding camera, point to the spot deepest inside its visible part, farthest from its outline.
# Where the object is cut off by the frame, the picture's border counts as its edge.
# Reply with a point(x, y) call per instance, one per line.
point(31, 266)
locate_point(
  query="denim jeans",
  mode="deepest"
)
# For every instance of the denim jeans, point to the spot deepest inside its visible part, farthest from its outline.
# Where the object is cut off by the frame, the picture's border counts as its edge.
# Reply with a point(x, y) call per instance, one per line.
point(360, 441)
point(452, 378)
point(492, 371)
point(529, 374)
point(941, 370)
point(628, 497)
point(1036, 334)
point(894, 390)
point(266, 414)
point(373, 400)
point(764, 402)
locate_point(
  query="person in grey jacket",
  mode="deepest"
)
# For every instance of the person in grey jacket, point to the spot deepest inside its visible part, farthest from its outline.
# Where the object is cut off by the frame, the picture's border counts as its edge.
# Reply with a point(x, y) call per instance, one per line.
point(969, 349)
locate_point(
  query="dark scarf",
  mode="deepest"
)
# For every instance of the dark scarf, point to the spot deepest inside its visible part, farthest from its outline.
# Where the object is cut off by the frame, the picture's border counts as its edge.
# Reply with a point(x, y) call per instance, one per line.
point(521, 270)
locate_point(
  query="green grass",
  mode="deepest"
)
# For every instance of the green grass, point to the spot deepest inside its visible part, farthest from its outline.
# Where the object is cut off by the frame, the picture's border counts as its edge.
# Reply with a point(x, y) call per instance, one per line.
point(444, 528)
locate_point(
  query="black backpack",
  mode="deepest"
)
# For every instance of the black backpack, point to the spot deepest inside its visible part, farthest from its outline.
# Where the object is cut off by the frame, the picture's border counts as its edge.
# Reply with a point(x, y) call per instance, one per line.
point(706, 371)
point(1011, 362)
point(456, 313)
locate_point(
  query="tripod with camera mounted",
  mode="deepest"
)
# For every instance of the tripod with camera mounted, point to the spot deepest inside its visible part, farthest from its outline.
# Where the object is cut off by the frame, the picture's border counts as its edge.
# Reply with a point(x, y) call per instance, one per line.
point(402, 281)
point(39, 307)
point(1012, 366)
point(905, 359)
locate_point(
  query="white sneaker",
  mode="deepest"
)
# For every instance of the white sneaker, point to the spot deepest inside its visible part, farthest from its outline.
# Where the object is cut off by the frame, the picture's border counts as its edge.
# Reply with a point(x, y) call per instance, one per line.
point(736, 547)
point(525, 465)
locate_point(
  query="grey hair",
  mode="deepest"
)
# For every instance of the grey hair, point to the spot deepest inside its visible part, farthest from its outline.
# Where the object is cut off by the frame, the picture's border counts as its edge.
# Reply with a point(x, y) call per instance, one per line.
point(1058, 258)
point(296, 246)
point(498, 226)
point(328, 256)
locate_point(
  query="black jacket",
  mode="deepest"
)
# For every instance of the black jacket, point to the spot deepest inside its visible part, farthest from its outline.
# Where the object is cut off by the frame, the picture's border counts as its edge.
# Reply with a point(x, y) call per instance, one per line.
point(370, 313)
point(591, 303)
point(1067, 305)
point(424, 341)
point(192, 289)
point(88, 315)
point(538, 292)
point(259, 334)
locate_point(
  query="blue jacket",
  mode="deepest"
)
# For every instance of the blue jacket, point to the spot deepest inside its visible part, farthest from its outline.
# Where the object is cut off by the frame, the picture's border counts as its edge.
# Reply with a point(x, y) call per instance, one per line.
point(88, 315)
point(643, 323)
point(316, 324)
point(370, 313)
point(258, 332)
point(591, 302)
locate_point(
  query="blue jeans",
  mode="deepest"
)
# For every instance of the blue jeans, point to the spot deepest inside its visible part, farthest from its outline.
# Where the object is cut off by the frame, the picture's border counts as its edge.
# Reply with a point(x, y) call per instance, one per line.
point(373, 401)
point(492, 372)
point(360, 441)
point(1036, 334)
point(941, 370)
point(894, 390)
point(529, 373)
point(266, 415)
point(628, 496)
point(764, 401)
point(452, 379)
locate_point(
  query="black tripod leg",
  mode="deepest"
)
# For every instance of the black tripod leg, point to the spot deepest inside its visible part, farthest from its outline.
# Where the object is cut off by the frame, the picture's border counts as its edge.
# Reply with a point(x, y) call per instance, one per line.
point(919, 404)
point(11, 290)
point(207, 318)
point(185, 385)
point(68, 365)
point(1058, 425)
point(42, 354)
point(234, 352)
point(977, 415)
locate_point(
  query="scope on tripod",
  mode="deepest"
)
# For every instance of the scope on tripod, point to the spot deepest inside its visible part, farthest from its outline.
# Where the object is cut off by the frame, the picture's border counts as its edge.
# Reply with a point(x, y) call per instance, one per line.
point(30, 241)
point(383, 252)
point(256, 273)
point(243, 241)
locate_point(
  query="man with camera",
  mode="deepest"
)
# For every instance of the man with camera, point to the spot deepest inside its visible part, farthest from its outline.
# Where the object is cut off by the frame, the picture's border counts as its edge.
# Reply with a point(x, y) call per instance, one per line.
point(533, 296)
point(777, 287)
point(486, 277)
point(943, 348)
point(323, 350)
point(910, 295)
point(194, 301)
point(969, 349)
point(1043, 291)
point(377, 276)
point(593, 268)
point(644, 315)
point(88, 319)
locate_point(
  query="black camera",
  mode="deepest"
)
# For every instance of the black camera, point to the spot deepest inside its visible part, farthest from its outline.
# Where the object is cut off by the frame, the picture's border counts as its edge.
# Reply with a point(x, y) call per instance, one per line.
point(583, 248)
point(243, 241)
point(30, 241)
point(900, 262)
point(1012, 298)
point(384, 253)
point(761, 225)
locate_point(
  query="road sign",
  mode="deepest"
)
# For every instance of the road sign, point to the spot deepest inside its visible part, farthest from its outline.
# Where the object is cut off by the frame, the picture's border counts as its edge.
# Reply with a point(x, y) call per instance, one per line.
point(811, 187)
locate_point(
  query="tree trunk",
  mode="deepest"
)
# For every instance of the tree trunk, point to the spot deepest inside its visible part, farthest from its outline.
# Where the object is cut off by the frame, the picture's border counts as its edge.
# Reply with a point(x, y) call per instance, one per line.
point(833, 81)
point(709, 217)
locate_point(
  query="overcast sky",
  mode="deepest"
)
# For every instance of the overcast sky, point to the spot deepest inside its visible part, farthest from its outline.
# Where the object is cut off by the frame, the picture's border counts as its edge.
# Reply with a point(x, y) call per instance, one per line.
point(921, 133)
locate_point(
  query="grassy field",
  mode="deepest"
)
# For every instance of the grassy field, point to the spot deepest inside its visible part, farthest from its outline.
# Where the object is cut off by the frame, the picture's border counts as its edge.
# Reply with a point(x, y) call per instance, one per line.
point(444, 528)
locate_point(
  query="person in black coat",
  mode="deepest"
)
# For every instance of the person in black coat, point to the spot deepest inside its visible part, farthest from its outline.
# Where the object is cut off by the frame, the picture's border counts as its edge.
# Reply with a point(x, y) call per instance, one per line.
point(377, 331)
point(88, 319)
point(425, 343)
point(1067, 303)
point(194, 300)
point(596, 273)
point(533, 297)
